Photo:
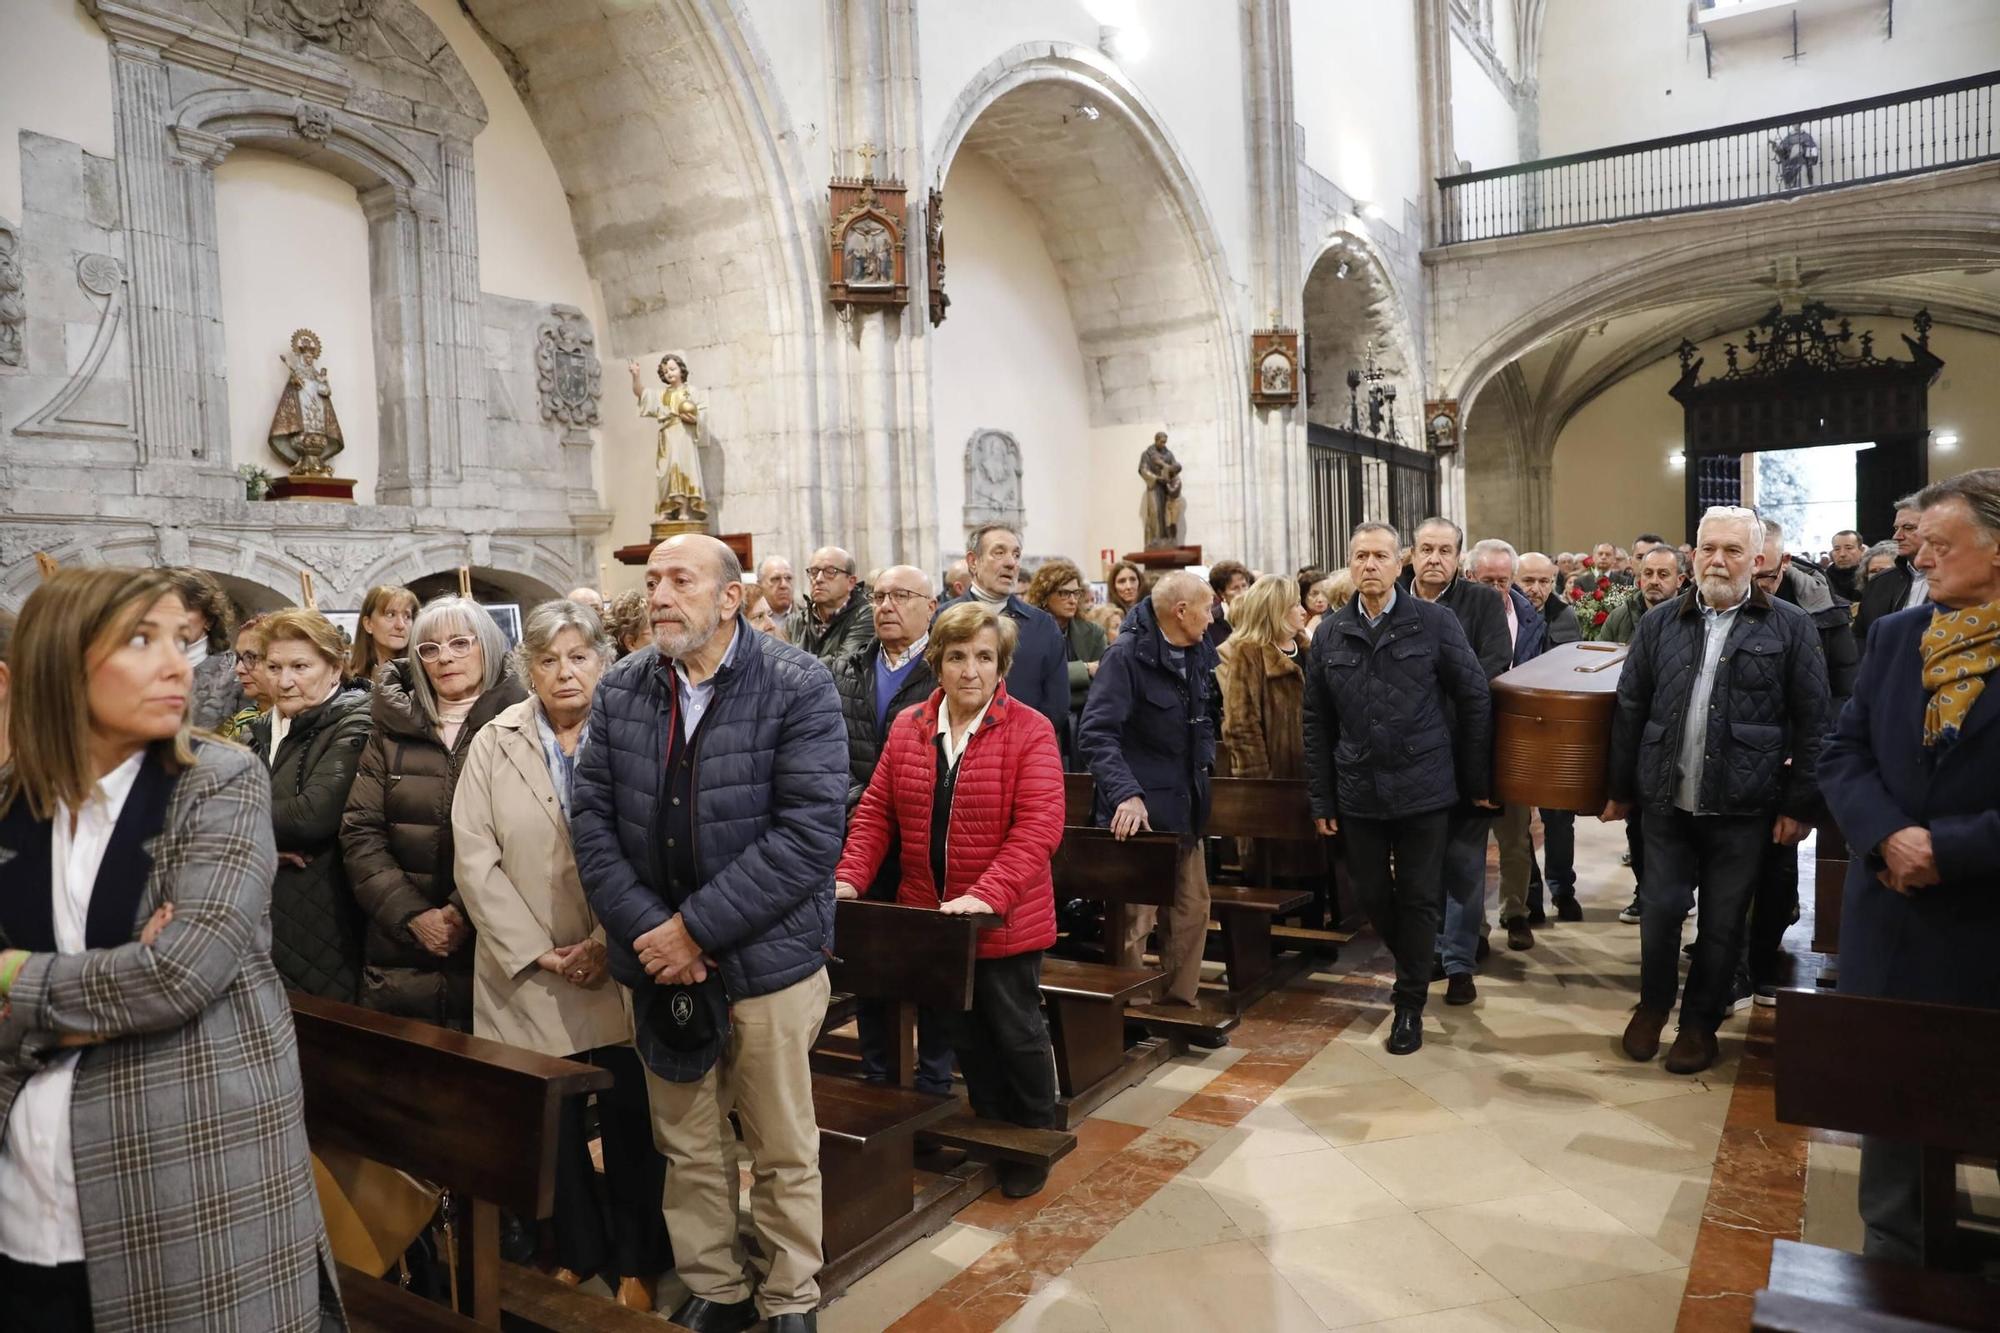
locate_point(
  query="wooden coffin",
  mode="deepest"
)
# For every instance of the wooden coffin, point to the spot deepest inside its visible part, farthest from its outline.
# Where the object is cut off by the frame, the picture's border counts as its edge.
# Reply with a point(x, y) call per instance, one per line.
point(1552, 727)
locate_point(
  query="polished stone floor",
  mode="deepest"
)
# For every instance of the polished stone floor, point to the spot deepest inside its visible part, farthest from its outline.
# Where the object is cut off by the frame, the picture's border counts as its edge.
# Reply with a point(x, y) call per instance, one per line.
point(1516, 1173)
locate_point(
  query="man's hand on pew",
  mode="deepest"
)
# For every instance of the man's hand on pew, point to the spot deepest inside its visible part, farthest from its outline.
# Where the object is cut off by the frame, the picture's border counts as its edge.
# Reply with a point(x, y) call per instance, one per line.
point(1327, 827)
point(1129, 818)
point(1911, 861)
point(966, 904)
point(842, 889)
point(670, 955)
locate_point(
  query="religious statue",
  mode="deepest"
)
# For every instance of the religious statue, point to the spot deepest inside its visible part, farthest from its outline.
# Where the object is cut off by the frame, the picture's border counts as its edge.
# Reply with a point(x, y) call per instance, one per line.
point(305, 432)
point(1797, 155)
point(677, 464)
point(1274, 374)
point(1162, 507)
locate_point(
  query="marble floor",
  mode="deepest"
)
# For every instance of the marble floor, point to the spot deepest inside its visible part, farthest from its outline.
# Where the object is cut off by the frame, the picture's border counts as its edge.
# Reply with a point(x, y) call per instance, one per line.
point(1516, 1173)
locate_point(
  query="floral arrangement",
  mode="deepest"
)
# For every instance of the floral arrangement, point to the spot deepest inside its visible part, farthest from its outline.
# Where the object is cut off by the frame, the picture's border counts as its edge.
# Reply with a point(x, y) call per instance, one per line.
point(1595, 597)
point(256, 481)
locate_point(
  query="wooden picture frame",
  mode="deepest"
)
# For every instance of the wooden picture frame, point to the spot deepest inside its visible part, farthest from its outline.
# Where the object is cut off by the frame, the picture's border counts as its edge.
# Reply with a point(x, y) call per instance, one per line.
point(866, 258)
point(1274, 368)
point(1441, 424)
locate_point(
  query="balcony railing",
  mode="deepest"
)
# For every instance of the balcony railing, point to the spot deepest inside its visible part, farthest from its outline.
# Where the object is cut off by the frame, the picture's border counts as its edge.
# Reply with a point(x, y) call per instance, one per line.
point(1877, 138)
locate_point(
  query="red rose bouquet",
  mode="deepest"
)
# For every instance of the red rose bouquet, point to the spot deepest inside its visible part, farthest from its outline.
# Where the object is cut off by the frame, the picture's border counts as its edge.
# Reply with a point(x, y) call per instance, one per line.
point(1595, 600)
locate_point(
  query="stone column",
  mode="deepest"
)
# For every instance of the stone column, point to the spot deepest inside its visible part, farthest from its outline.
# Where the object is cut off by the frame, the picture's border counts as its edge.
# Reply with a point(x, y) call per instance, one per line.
point(1277, 524)
point(199, 155)
point(465, 362)
point(394, 279)
point(155, 216)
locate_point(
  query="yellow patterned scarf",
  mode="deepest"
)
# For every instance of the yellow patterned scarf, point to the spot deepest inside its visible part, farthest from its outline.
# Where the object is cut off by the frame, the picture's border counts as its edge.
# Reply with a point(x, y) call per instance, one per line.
point(1960, 649)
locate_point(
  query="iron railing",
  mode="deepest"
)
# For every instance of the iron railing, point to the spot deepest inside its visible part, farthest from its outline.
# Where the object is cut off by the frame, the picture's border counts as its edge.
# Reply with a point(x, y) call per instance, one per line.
point(1354, 476)
point(1850, 143)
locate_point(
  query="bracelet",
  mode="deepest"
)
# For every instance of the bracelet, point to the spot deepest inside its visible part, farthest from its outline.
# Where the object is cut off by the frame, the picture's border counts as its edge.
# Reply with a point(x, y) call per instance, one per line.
point(11, 963)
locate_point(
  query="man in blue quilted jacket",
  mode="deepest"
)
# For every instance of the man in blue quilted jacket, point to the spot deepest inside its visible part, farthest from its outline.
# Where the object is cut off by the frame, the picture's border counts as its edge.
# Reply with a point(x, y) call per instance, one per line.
point(1722, 687)
point(707, 815)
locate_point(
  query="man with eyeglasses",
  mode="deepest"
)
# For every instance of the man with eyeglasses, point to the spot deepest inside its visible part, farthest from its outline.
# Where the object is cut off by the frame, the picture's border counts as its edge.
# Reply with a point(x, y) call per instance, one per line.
point(834, 623)
point(1039, 676)
point(1900, 587)
point(876, 685)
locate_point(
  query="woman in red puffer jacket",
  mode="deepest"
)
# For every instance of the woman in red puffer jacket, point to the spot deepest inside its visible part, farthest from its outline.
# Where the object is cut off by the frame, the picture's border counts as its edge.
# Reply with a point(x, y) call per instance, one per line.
point(969, 794)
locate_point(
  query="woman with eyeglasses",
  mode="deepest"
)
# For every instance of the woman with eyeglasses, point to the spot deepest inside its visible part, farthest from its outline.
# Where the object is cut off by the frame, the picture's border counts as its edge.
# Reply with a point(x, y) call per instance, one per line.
point(249, 678)
point(396, 836)
point(1058, 589)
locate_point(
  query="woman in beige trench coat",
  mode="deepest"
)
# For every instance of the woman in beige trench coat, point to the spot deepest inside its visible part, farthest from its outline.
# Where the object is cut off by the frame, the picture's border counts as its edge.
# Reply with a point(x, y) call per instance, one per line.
point(538, 974)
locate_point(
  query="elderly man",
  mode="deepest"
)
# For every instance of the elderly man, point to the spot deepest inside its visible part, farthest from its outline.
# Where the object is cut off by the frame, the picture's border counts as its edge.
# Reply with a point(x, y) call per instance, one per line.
point(1398, 729)
point(834, 621)
point(1902, 585)
point(587, 596)
point(877, 684)
point(957, 578)
point(774, 576)
point(1148, 735)
point(719, 736)
point(1843, 570)
point(1911, 776)
point(1538, 579)
point(1717, 693)
point(1039, 676)
point(1435, 577)
point(1494, 565)
point(1660, 576)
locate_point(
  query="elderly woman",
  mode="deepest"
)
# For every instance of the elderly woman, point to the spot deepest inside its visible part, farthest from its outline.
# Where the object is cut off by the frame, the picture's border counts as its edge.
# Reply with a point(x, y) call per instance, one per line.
point(628, 622)
point(396, 837)
point(1263, 686)
point(1057, 588)
point(1877, 559)
point(383, 632)
point(969, 796)
point(538, 971)
point(153, 1164)
point(756, 612)
point(211, 620)
point(249, 653)
point(312, 737)
point(1124, 587)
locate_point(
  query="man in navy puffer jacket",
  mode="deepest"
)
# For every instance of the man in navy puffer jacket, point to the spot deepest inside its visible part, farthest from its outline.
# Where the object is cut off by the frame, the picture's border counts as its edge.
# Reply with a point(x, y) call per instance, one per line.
point(707, 816)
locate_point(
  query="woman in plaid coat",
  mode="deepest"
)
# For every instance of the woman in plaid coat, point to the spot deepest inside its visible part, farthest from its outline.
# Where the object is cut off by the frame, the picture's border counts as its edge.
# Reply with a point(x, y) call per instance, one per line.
point(154, 1173)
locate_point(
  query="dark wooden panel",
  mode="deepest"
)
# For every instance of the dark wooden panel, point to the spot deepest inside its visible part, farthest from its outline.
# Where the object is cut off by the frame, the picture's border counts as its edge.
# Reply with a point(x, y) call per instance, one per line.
point(1919, 1072)
point(1093, 864)
point(864, 1113)
point(375, 1306)
point(1956, 1300)
point(403, 1092)
point(882, 951)
point(996, 1140)
point(1260, 808)
point(1078, 789)
point(1067, 976)
point(1782, 1312)
point(1264, 902)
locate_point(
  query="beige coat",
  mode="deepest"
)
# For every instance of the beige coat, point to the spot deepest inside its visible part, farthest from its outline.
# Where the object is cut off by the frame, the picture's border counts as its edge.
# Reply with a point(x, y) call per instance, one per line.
point(517, 877)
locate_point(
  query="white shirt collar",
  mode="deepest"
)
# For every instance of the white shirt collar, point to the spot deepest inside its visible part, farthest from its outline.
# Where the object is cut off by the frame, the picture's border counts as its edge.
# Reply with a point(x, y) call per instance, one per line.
point(112, 789)
point(896, 661)
point(952, 752)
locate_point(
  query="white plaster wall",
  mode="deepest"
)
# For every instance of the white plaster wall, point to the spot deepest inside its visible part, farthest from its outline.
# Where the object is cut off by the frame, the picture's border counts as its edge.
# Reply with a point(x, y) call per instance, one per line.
point(1485, 130)
point(1614, 73)
point(792, 37)
point(1613, 477)
point(1355, 95)
point(1006, 358)
point(1192, 76)
point(293, 245)
point(55, 79)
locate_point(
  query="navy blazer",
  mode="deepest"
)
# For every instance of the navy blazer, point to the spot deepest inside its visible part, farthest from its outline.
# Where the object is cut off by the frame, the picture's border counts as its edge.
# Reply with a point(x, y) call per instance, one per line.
point(1531, 632)
point(1876, 775)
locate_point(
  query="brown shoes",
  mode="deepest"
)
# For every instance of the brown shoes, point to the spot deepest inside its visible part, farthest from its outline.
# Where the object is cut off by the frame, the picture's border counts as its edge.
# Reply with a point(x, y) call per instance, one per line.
point(569, 1277)
point(636, 1293)
point(1692, 1052)
point(1642, 1034)
point(1519, 935)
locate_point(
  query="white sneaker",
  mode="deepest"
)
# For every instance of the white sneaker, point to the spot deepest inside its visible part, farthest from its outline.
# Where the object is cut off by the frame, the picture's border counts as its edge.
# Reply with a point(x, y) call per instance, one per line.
point(1630, 916)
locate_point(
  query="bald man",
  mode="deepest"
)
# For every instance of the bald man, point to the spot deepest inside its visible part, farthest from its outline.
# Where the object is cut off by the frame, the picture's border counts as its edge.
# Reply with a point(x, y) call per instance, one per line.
point(589, 597)
point(725, 954)
point(1151, 763)
point(834, 621)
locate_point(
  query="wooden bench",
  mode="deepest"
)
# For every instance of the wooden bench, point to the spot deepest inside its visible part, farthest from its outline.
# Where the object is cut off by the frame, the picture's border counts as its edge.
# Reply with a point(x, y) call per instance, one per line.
point(475, 1116)
point(1810, 1283)
point(1830, 857)
point(1903, 1070)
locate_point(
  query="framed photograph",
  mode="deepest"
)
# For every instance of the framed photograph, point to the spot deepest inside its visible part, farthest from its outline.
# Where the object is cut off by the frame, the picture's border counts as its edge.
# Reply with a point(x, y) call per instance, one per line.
point(1100, 593)
point(347, 622)
point(508, 614)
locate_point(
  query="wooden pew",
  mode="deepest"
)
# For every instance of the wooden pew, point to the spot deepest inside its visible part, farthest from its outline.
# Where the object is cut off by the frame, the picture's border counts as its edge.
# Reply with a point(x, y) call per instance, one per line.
point(1829, 884)
point(1926, 1078)
point(908, 957)
point(475, 1116)
point(1814, 1289)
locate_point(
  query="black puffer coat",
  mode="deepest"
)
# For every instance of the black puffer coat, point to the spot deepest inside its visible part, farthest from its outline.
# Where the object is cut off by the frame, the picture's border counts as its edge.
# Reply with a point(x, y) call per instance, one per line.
point(1398, 722)
point(315, 922)
point(1769, 704)
point(854, 677)
point(396, 842)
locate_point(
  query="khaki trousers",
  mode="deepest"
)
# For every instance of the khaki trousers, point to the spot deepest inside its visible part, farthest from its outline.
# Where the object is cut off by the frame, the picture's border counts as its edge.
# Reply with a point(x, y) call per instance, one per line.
point(763, 1076)
point(1183, 930)
point(1516, 839)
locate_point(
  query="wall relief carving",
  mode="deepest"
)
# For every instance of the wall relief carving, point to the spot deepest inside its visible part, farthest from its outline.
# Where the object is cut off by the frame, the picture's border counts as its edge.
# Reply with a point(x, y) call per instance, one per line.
point(992, 479)
point(103, 277)
point(567, 373)
point(327, 22)
point(340, 563)
point(13, 303)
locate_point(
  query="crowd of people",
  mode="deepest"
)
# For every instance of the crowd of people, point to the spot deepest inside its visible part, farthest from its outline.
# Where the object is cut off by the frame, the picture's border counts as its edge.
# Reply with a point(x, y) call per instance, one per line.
point(621, 840)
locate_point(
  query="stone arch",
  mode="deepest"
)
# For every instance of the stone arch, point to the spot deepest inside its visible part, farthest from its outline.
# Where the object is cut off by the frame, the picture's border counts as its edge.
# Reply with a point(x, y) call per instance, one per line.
point(341, 144)
point(525, 570)
point(695, 214)
point(1343, 314)
point(1153, 310)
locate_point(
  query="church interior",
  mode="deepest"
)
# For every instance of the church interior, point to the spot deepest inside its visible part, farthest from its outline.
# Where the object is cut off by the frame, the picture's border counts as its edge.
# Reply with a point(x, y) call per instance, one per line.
point(502, 298)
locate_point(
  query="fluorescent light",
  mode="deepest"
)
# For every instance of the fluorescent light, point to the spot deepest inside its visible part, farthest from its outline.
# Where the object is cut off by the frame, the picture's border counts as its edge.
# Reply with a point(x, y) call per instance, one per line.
point(1947, 440)
point(1677, 460)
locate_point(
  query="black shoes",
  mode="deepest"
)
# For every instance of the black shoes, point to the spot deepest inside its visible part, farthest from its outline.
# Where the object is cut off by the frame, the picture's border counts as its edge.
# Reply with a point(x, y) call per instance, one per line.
point(1480, 954)
point(1019, 1180)
point(1519, 937)
point(1537, 917)
point(1567, 908)
point(1460, 990)
point(706, 1316)
point(794, 1323)
point(1408, 1032)
point(1630, 916)
point(1437, 968)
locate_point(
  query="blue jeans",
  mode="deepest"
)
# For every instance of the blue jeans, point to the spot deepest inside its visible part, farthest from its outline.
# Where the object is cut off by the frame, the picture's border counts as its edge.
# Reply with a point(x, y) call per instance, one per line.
point(1559, 850)
point(1463, 881)
point(875, 1034)
point(1723, 855)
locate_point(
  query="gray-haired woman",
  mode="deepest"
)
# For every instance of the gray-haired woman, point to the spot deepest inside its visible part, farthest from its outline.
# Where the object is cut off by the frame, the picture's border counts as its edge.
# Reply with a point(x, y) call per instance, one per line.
point(396, 834)
point(538, 972)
